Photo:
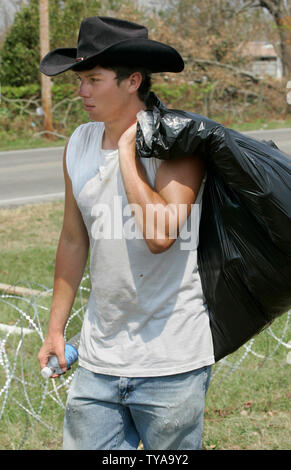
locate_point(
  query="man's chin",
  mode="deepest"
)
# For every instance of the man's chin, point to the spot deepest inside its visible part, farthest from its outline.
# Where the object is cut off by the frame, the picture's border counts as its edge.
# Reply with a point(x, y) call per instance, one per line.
point(93, 115)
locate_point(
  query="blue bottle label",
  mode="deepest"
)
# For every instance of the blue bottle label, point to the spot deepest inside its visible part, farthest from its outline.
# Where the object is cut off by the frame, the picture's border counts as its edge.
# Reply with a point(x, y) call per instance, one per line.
point(71, 354)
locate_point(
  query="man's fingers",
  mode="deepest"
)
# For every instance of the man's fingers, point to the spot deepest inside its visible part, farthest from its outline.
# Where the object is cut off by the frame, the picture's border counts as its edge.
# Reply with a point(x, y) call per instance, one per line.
point(42, 359)
point(62, 360)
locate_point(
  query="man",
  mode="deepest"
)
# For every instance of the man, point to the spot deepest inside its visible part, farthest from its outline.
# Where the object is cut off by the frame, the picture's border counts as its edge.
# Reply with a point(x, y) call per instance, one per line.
point(146, 348)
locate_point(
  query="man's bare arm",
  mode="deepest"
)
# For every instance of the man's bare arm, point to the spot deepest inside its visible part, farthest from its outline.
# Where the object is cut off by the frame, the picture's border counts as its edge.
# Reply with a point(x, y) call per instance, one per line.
point(176, 186)
point(71, 258)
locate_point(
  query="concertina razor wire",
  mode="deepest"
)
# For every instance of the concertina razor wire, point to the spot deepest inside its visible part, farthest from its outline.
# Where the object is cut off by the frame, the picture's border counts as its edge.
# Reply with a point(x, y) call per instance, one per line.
point(26, 317)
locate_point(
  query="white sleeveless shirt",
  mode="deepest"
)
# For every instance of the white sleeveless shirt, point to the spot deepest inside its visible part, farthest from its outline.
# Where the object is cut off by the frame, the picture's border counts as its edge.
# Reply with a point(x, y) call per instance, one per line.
point(146, 315)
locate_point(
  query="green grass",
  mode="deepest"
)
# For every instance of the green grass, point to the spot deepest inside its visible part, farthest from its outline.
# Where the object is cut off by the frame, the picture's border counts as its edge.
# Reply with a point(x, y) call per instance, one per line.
point(30, 143)
point(29, 237)
point(261, 124)
point(247, 408)
point(250, 409)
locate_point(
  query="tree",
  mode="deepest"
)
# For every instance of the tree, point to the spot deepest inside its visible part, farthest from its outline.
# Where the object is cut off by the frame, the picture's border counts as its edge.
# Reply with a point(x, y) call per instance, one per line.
point(281, 13)
point(20, 52)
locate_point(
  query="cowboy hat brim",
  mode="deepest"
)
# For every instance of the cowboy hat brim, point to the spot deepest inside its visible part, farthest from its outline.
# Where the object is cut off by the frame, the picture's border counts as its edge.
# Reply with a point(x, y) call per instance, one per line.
point(152, 55)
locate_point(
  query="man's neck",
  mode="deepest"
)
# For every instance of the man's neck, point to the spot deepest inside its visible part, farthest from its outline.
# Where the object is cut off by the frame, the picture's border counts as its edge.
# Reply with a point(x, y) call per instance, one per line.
point(116, 127)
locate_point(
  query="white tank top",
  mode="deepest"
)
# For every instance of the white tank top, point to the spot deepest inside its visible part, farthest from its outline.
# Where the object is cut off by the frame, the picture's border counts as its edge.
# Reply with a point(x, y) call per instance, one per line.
point(146, 314)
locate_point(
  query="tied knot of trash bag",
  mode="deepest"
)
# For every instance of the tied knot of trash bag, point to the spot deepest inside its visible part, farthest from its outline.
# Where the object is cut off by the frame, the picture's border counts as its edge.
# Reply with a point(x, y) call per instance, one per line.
point(166, 134)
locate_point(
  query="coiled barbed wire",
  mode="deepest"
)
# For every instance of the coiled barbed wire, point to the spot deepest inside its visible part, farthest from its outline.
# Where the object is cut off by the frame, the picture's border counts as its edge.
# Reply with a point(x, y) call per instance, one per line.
point(18, 360)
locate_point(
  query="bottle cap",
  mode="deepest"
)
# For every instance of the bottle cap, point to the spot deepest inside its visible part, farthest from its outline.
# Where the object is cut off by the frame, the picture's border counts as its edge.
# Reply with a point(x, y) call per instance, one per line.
point(46, 372)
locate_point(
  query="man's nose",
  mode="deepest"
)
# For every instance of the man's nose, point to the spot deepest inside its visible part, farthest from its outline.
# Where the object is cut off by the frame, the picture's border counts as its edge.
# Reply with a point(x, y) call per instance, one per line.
point(84, 90)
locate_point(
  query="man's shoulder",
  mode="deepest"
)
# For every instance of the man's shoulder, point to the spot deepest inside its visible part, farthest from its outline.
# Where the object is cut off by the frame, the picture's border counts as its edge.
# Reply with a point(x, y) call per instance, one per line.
point(87, 126)
point(84, 133)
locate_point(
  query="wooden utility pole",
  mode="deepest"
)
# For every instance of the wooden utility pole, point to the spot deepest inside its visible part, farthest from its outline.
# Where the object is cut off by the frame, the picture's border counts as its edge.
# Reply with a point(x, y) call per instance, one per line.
point(46, 96)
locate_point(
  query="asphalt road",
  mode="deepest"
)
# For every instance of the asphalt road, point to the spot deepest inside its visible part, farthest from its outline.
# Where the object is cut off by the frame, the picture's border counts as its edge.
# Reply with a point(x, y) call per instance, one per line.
point(32, 176)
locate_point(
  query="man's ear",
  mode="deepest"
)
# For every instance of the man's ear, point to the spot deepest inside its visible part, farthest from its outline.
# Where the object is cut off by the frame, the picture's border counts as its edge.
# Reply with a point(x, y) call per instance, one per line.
point(135, 80)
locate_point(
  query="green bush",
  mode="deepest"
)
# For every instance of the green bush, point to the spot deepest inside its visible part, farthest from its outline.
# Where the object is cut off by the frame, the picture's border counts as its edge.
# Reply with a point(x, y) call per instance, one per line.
point(21, 92)
point(20, 52)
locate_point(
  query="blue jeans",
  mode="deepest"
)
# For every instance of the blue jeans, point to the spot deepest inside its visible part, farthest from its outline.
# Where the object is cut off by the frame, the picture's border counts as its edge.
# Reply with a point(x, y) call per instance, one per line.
point(104, 412)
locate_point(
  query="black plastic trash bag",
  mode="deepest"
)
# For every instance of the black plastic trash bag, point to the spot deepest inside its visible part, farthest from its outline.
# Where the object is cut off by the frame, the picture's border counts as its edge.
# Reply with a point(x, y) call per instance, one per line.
point(244, 252)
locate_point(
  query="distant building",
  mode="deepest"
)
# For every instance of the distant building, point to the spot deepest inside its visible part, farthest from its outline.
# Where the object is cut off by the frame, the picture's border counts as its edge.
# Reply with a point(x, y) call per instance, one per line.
point(264, 60)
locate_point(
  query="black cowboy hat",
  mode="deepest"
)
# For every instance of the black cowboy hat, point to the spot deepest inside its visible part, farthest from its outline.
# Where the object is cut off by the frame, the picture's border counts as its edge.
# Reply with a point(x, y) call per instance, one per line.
point(114, 42)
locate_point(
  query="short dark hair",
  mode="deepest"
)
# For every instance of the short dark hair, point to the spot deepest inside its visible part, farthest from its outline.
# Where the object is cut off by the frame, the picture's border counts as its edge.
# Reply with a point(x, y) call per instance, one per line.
point(123, 72)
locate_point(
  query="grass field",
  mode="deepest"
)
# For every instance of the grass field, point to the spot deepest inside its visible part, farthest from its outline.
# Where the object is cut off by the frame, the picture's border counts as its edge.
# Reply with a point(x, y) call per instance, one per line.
point(248, 403)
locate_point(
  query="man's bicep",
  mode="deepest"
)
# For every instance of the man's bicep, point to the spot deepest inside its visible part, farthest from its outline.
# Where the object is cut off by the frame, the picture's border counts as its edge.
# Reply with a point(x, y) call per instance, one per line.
point(178, 181)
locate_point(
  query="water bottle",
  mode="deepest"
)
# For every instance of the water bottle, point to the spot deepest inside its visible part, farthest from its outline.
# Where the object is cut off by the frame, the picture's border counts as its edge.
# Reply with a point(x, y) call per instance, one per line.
point(71, 356)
